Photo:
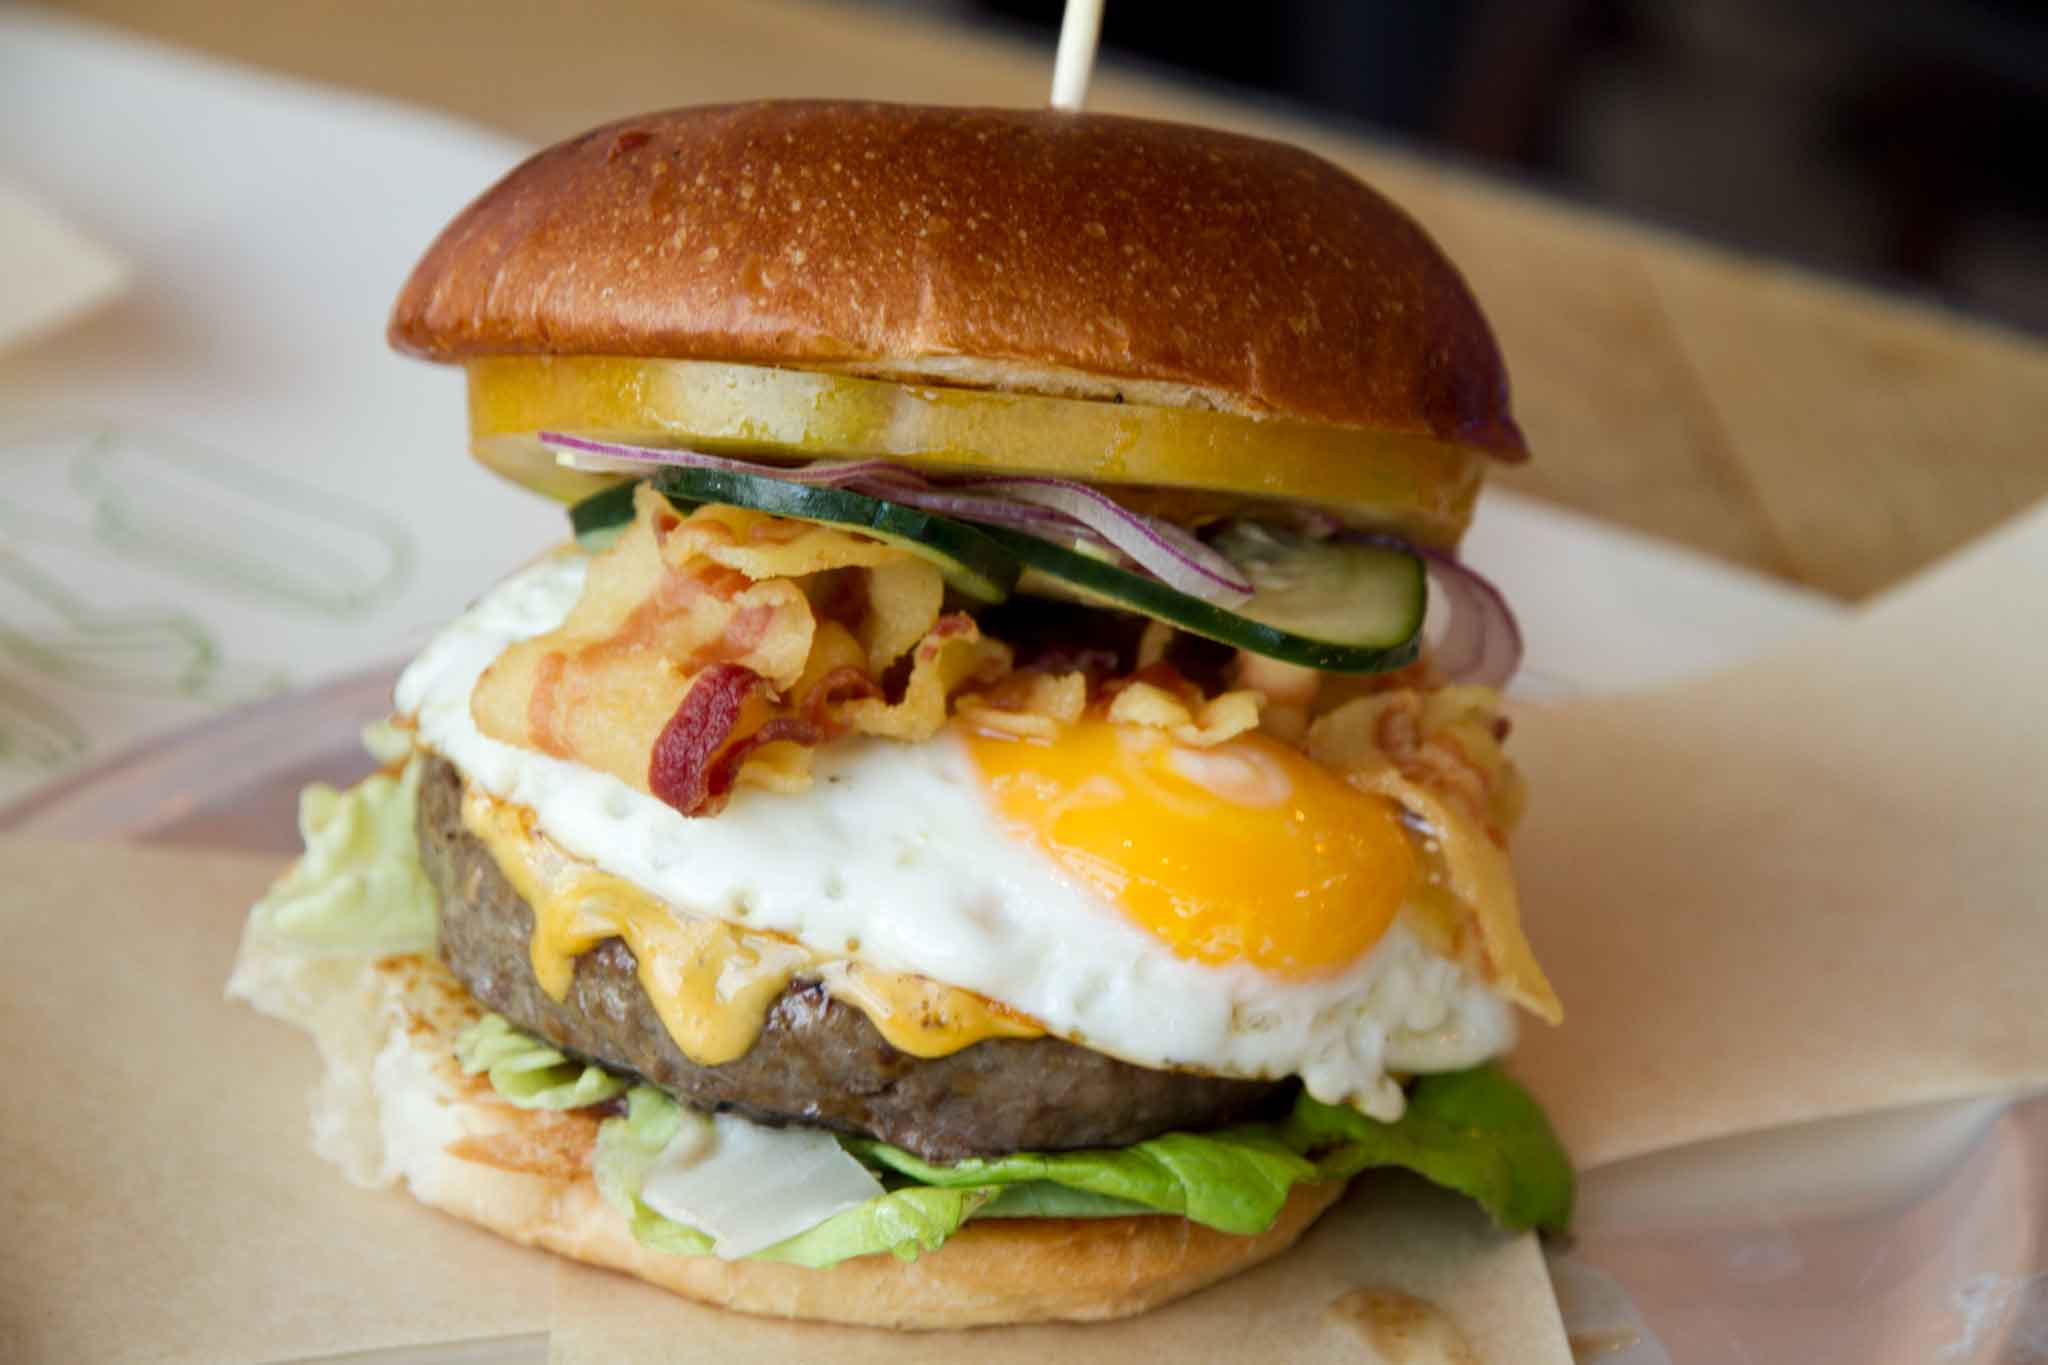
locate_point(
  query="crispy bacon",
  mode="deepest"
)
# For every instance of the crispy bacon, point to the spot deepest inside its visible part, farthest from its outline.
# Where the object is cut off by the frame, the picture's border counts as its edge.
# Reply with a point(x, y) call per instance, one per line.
point(945, 628)
point(843, 684)
point(696, 658)
point(541, 706)
point(685, 768)
point(813, 724)
point(697, 758)
point(724, 773)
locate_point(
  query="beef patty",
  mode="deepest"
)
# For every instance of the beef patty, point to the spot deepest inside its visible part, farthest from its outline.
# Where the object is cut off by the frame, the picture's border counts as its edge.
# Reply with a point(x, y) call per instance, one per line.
point(817, 1060)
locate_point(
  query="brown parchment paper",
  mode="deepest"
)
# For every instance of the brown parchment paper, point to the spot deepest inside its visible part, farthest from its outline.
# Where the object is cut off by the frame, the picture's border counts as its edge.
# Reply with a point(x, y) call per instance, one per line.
point(1814, 886)
point(160, 1196)
point(1391, 1232)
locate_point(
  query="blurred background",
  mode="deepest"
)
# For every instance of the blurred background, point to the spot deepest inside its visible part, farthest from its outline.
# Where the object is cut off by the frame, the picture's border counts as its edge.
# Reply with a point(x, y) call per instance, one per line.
point(1631, 186)
point(1899, 139)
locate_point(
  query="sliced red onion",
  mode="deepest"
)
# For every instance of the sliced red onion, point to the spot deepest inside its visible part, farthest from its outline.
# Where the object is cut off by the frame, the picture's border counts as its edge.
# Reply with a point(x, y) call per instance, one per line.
point(1055, 509)
point(1030, 518)
point(1164, 550)
point(609, 457)
point(1480, 641)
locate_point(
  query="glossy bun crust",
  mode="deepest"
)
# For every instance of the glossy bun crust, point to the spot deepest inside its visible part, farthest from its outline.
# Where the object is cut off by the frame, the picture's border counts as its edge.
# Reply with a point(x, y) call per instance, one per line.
point(1030, 250)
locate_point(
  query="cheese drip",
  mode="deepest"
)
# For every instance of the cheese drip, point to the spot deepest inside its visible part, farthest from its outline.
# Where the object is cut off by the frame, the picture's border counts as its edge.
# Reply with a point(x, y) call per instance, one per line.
point(712, 983)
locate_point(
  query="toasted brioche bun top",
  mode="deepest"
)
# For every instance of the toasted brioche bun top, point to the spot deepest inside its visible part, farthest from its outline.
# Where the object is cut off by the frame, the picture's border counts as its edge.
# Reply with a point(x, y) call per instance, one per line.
point(1028, 250)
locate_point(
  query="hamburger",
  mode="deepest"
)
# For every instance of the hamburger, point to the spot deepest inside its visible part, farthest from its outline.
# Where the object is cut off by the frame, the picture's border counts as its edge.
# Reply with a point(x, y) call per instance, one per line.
point(997, 809)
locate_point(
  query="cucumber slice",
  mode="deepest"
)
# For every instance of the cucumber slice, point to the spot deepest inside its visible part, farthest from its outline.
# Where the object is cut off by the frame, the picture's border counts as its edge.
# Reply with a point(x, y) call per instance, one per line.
point(598, 519)
point(973, 565)
point(1351, 593)
point(1338, 607)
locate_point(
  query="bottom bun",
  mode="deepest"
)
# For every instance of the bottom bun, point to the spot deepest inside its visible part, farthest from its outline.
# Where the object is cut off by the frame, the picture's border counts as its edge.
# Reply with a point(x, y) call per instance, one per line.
point(395, 1107)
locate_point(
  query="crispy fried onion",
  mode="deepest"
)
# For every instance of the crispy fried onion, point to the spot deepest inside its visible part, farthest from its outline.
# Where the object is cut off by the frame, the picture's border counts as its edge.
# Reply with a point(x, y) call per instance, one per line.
point(1028, 704)
point(1160, 697)
point(721, 647)
point(1438, 756)
point(1447, 741)
point(759, 545)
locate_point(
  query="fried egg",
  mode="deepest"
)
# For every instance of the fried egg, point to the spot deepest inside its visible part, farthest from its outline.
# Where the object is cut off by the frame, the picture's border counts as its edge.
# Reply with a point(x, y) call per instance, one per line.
point(1234, 910)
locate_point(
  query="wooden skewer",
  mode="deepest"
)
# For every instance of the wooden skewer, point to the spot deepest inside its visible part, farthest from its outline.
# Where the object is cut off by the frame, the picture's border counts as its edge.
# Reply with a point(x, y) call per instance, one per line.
point(1080, 30)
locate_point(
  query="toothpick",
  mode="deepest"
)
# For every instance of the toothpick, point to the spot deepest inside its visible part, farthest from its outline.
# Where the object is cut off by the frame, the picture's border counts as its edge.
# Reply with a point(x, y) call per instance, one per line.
point(1080, 30)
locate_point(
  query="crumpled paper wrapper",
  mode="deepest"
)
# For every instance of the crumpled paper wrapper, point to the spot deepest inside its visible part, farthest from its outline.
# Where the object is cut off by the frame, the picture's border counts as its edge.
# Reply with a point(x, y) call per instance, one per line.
point(162, 1197)
point(1810, 887)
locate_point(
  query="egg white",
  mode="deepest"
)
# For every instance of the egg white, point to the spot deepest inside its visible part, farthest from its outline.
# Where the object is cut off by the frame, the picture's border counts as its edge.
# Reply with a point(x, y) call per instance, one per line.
point(894, 857)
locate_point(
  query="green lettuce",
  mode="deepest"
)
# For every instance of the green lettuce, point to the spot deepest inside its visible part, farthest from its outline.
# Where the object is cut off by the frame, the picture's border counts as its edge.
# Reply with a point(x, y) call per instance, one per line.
point(1233, 1179)
point(527, 1072)
point(1474, 1131)
point(359, 889)
point(1043, 1199)
point(902, 1222)
point(627, 1149)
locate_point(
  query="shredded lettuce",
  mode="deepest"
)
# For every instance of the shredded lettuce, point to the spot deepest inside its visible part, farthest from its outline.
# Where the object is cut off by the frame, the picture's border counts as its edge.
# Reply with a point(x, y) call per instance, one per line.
point(359, 889)
point(527, 1072)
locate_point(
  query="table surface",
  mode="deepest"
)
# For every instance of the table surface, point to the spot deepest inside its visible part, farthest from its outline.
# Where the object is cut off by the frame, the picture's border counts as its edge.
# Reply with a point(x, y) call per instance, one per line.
point(1806, 427)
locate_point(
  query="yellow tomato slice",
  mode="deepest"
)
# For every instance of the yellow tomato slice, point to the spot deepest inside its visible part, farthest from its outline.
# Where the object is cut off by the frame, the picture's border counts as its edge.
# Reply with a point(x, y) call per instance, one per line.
point(1423, 486)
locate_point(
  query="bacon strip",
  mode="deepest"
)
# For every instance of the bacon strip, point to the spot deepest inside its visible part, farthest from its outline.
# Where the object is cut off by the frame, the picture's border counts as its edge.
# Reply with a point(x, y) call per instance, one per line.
point(724, 773)
point(695, 645)
point(683, 768)
point(541, 706)
point(843, 684)
point(697, 758)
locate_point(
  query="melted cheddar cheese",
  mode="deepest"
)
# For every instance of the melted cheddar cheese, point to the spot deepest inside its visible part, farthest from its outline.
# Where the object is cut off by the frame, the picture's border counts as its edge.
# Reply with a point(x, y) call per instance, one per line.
point(712, 983)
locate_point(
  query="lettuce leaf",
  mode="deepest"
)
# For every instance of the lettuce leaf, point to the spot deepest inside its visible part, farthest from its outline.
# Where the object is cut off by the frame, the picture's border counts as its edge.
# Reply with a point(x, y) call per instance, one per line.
point(1233, 1179)
point(902, 1222)
point(1476, 1132)
point(359, 889)
point(1043, 1199)
point(527, 1072)
point(627, 1149)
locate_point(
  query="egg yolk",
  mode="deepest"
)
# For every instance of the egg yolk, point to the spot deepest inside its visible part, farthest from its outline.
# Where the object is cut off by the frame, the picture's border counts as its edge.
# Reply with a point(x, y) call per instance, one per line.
point(1244, 852)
